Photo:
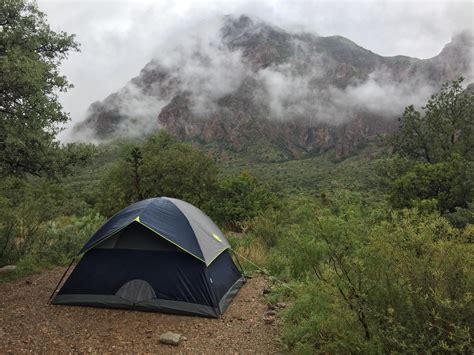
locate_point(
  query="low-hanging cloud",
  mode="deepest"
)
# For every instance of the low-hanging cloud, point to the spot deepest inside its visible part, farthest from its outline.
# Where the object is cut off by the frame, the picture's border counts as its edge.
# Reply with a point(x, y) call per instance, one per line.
point(119, 38)
point(203, 66)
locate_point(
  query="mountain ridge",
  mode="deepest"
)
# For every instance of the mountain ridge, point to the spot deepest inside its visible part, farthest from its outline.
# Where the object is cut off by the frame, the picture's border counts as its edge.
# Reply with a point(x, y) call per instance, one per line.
point(295, 92)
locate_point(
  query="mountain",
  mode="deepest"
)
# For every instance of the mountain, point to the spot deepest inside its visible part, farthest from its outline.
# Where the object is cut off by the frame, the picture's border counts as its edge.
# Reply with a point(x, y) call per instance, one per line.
point(253, 87)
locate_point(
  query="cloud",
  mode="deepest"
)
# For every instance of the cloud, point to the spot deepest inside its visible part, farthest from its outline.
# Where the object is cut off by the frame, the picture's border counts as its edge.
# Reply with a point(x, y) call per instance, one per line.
point(381, 95)
point(203, 65)
point(119, 37)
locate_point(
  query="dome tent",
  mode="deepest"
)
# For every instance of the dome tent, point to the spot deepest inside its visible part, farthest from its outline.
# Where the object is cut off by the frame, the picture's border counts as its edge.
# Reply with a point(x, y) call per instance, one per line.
point(160, 254)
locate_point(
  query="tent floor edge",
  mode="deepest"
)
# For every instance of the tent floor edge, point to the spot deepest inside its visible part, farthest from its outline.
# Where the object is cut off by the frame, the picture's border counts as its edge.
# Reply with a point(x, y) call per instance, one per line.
point(230, 294)
point(153, 305)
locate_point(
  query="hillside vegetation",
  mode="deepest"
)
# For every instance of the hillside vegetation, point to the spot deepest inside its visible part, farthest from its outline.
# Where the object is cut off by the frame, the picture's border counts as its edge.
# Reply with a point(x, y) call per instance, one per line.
point(375, 251)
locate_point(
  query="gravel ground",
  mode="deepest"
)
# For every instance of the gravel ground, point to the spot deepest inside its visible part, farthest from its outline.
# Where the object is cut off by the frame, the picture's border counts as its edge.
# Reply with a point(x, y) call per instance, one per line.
point(28, 324)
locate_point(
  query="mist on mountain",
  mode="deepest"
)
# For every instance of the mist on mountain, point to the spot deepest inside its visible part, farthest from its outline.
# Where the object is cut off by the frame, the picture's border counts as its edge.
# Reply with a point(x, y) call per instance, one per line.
point(237, 77)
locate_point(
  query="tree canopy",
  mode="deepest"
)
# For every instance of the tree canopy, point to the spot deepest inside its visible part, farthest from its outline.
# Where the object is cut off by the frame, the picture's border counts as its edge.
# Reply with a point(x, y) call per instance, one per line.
point(433, 154)
point(444, 128)
point(30, 113)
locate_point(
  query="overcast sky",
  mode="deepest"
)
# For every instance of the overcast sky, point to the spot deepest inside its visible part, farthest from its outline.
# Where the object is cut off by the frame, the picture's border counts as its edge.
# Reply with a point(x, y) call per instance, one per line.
point(119, 37)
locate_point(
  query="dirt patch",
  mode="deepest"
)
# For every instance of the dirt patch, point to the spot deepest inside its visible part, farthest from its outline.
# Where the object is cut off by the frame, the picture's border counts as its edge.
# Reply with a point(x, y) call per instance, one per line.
point(28, 324)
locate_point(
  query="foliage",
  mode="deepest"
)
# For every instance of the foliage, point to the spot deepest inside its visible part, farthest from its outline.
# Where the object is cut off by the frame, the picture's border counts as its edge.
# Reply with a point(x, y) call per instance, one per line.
point(24, 207)
point(30, 56)
point(372, 281)
point(445, 128)
point(159, 167)
point(240, 198)
point(314, 173)
point(56, 242)
point(27, 209)
point(433, 155)
point(450, 183)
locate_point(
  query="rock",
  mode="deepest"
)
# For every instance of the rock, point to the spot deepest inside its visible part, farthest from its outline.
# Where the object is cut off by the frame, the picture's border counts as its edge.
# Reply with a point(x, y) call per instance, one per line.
point(8, 268)
point(268, 319)
point(281, 304)
point(270, 313)
point(170, 338)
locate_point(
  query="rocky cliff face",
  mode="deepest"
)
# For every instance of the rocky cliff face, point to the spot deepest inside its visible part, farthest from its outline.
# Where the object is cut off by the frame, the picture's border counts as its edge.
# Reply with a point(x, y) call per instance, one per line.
point(254, 83)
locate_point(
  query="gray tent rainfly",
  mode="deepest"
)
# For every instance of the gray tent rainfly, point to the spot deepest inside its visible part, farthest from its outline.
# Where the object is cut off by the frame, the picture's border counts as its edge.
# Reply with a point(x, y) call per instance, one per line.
point(160, 254)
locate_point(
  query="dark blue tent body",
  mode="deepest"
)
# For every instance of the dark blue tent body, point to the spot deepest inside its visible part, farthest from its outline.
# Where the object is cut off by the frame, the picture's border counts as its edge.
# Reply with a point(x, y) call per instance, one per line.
point(160, 254)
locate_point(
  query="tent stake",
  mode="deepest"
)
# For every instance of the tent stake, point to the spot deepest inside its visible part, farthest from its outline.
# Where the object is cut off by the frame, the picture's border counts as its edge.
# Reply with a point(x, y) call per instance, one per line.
point(62, 277)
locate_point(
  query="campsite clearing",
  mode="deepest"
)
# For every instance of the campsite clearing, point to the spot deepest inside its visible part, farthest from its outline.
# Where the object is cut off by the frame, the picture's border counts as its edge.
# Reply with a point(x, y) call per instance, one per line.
point(28, 324)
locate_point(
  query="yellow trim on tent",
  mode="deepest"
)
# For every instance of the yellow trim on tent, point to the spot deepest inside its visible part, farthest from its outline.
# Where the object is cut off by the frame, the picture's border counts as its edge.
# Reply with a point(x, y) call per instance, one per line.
point(219, 253)
point(137, 219)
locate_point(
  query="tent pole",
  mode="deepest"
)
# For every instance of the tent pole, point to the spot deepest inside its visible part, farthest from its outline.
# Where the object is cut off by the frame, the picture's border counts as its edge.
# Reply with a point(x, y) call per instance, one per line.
point(61, 280)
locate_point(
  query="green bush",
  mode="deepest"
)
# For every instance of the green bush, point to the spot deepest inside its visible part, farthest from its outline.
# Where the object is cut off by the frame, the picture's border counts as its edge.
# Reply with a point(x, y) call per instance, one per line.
point(240, 198)
point(55, 243)
point(160, 166)
point(374, 283)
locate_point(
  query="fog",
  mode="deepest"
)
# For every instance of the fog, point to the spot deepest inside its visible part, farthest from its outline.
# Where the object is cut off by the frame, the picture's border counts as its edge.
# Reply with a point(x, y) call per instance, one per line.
point(119, 37)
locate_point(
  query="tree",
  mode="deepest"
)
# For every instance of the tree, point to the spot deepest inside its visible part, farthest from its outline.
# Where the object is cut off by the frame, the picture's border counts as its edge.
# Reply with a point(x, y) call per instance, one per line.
point(449, 183)
point(433, 154)
point(240, 198)
point(445, 128)
point(136, 160)
point(30, 113)
point(161, 166)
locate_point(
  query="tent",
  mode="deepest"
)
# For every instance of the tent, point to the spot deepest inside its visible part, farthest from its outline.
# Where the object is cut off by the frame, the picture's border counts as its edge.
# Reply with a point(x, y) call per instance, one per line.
point(160, 254)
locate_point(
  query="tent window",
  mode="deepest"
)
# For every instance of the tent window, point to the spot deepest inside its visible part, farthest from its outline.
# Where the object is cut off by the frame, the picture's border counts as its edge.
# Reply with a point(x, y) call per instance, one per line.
point(136, 236)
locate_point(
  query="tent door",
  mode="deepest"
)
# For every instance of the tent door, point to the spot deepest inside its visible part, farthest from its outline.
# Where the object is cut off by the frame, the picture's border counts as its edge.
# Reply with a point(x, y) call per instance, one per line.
point(136, 291)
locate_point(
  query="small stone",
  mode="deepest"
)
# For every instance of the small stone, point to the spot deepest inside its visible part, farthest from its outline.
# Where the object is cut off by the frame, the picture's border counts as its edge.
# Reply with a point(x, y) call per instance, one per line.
point(270, 313)
point(170, 338)
point(7, 268)
point(268, 320)
point(281, 304)
point(184, 338)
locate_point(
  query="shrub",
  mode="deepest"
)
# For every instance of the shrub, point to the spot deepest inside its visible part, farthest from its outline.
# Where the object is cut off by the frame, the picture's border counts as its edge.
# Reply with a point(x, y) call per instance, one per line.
point(397, 284)
point(240, 198)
